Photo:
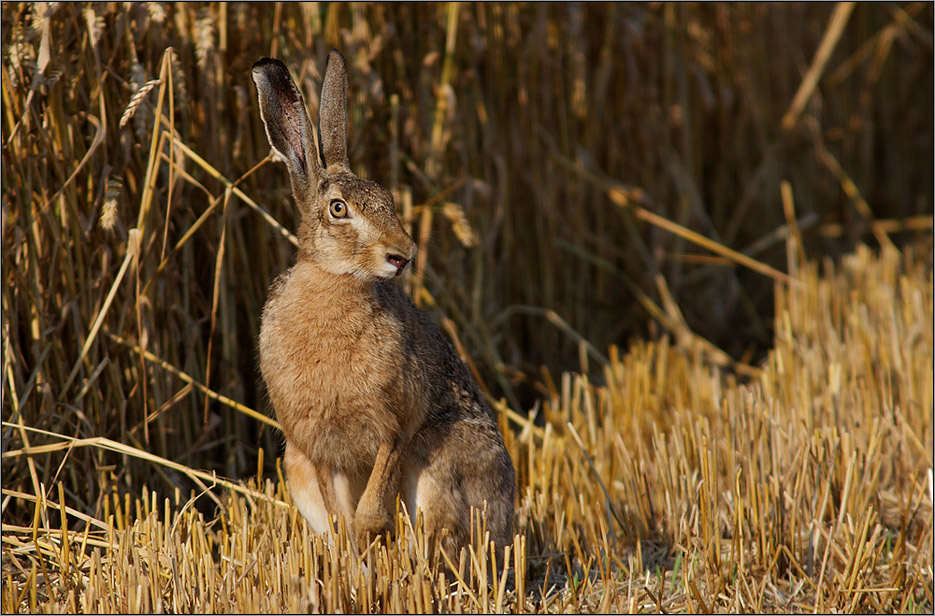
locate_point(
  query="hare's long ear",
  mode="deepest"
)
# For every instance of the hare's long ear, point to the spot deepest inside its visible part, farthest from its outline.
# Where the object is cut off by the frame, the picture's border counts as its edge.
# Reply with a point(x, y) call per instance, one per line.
point(287, 125)
point(332, 129)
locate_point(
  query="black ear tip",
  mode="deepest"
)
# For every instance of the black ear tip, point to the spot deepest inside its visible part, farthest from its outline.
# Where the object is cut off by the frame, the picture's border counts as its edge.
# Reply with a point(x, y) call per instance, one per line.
point(267, 62)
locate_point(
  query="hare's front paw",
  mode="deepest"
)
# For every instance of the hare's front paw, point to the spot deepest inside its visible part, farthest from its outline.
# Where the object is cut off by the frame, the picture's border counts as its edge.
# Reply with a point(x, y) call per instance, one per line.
point(370, 523)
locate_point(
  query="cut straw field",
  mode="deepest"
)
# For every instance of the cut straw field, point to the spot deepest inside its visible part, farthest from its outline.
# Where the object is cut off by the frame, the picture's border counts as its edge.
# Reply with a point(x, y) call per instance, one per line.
point(669, 486)
point(686, 250)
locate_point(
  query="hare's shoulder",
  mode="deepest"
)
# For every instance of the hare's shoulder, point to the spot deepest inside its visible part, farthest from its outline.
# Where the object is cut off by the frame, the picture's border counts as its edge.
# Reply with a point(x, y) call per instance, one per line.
point(444, 376)
point(416, 326)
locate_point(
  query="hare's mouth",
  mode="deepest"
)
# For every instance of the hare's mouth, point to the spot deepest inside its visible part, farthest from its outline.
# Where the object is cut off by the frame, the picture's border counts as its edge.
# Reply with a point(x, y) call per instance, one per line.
point(397, 261)
point(394, 264)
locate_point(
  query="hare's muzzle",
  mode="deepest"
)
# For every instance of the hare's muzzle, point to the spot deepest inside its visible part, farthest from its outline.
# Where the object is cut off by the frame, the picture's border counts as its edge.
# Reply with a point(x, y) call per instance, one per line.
point(397, 261)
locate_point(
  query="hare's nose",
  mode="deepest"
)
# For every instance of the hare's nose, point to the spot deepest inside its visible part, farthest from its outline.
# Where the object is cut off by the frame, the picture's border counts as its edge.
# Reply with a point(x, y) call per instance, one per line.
point(397, 261)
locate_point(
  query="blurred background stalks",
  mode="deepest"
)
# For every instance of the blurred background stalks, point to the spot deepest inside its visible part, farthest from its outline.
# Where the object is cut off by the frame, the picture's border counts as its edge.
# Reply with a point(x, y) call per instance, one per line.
point(577, 176)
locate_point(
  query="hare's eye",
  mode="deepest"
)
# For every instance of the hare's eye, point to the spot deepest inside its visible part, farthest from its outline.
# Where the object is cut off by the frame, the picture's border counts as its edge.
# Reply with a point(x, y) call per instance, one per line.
point(338, 209)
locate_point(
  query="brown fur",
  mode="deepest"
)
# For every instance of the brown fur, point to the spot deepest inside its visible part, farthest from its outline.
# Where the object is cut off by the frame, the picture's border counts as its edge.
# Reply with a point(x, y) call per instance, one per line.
point(372, 399)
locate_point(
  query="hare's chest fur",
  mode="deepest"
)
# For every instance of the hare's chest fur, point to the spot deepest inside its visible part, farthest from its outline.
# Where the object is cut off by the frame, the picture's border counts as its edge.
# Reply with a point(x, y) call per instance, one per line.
point(334, 368)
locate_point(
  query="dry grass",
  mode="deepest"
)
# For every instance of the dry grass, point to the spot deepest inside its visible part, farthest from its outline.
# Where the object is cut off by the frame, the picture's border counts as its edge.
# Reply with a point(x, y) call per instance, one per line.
point(670, 486)
point(676, 172)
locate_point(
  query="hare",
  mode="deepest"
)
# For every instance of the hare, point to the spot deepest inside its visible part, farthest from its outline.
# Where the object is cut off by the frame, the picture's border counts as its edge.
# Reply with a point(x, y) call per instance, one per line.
point(372, 399)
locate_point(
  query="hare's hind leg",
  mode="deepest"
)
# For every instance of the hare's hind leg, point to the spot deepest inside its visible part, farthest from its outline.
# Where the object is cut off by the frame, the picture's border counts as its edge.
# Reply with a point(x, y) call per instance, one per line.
point(428, 488)
point(303, 486)
point(319, 492)
point(471, 469)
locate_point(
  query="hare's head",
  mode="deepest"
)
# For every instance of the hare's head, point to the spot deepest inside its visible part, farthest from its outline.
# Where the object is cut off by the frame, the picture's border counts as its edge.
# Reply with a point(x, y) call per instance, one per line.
point(349, 225)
